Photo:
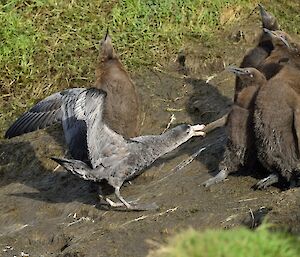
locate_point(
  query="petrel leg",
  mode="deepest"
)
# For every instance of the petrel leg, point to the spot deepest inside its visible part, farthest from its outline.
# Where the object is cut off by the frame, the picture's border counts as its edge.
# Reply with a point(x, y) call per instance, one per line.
point(108, 201)
point(117, 192)
point(128, 205)
point(270, 180)
point(221, 176)
point(114, 204)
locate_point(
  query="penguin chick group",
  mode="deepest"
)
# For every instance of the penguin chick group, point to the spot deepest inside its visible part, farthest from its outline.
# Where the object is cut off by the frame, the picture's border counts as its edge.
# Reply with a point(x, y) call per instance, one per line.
point(263, 125)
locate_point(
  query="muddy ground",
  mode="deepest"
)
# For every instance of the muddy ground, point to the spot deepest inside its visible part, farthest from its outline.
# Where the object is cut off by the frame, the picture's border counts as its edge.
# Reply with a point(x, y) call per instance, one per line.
point(47, 212)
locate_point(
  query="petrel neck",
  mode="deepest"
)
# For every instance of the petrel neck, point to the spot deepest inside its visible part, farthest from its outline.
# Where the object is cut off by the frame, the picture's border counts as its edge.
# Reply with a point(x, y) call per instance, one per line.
point(166, 143)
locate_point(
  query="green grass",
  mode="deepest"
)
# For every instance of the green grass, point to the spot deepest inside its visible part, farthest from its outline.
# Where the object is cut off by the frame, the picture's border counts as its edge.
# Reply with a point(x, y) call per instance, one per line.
point(47, 45)
point(231, 243)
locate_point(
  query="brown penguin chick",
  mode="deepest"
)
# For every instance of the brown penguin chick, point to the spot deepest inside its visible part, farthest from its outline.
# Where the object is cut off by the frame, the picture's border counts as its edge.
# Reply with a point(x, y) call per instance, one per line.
point(122, 110)
point(240, 150)
point(280, 41)
point(277, 126)
point(258, 54)
point(294, 54)
point(290, 48)
point(286, 54)
point(180, 62)
point(279, 56)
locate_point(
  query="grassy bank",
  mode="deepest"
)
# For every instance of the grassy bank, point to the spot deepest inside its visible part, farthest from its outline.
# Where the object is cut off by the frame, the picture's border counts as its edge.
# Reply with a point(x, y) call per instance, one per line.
point(48, 45)
point(231, 243)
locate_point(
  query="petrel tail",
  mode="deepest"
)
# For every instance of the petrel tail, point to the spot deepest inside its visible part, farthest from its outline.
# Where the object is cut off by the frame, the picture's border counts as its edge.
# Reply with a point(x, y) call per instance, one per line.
point(77, 167)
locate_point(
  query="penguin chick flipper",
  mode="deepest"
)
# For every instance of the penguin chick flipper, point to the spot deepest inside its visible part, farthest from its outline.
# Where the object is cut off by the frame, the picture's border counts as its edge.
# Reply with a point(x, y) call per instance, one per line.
point(221, 176)
point(264, 183)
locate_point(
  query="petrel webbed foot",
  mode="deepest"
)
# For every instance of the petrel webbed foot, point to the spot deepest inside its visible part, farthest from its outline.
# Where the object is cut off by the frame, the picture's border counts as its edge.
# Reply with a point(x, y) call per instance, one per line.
point(120, 204)
point(144, 207)
point(130, 205)
point(221, 176)
point(264, 183)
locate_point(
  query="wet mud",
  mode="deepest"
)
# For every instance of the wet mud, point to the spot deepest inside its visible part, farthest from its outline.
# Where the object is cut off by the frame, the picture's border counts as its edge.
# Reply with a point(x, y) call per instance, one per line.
point(45, 211)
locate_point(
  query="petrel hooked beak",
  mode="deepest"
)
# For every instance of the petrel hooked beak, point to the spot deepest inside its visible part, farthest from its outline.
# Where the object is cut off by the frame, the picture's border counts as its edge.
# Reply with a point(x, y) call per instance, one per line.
point(198, 130)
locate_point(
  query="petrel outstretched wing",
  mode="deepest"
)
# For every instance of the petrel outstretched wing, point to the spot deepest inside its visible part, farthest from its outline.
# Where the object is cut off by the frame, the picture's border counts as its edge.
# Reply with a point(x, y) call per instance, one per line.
point(41, 115)
point(75, 128)
point(106, 147)
point(84, 112)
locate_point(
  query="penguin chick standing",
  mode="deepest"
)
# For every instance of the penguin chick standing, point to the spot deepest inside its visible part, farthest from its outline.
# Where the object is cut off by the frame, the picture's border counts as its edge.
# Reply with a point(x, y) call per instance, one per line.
point(240, 149)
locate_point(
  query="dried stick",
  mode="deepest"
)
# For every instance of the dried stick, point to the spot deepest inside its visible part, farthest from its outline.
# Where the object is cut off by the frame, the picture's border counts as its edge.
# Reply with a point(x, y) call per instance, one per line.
point(216, 124)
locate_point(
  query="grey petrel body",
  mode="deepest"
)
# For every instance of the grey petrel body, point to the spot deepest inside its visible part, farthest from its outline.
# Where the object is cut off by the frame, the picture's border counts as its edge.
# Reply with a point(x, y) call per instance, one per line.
point(111, 156)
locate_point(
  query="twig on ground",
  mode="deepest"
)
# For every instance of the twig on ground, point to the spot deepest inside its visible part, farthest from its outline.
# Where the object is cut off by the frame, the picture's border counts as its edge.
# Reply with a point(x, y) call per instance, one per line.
point(172, 119)
point(209, 78)
point(56, 168)
point(246, 200)
point(216, 124)
point(182, 164)
point(252, 217)
point(174, 75)
point(81, 219)
point(174, 110)
point(149, 216)
point(231, 217)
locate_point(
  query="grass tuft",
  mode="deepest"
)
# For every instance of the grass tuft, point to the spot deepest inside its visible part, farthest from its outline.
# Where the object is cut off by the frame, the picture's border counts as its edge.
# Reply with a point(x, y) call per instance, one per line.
point(239, 242)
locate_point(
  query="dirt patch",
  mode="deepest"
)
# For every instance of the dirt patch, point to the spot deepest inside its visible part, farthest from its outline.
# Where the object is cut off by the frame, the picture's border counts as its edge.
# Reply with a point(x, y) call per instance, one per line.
point(45, 211)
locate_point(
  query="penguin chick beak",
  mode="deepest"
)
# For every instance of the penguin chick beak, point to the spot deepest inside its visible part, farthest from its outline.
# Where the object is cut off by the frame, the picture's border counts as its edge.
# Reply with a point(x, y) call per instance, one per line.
point(268, 20)
point(273, 34)
point(263, 12)
point(197, 130)
point(285, 42)
point(237, 71)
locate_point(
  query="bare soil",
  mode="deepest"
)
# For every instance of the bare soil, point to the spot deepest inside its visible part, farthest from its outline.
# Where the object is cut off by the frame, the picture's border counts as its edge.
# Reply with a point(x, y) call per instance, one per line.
point(47, 212)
